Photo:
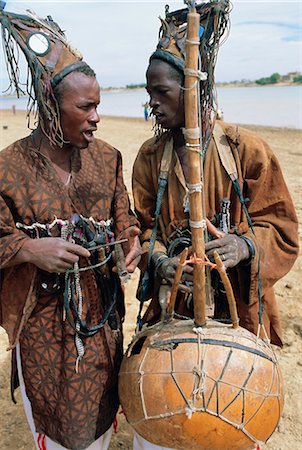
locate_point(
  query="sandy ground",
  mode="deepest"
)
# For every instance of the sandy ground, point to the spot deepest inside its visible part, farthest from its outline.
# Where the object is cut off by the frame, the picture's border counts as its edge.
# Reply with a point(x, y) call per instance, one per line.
point(127, 135)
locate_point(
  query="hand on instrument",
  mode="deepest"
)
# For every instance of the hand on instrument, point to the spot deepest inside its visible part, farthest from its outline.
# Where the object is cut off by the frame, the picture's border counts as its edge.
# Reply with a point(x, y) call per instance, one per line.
point(132, 248)
point(54, 255)
point(165, 268)
point(232, 250)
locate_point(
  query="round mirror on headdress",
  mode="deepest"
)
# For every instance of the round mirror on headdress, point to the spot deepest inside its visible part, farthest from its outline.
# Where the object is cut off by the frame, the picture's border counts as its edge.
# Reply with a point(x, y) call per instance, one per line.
point(49, 57)
point(38, 43)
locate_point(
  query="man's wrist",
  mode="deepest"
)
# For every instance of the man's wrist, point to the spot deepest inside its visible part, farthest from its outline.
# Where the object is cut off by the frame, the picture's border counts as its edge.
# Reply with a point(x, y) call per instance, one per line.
point(158, 259)
point(251, 250)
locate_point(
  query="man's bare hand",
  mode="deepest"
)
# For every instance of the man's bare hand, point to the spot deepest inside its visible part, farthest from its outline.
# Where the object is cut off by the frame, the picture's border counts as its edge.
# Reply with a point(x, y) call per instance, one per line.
point(166, 268)
point(231, 248)
point(50, 254)
point(132, 248)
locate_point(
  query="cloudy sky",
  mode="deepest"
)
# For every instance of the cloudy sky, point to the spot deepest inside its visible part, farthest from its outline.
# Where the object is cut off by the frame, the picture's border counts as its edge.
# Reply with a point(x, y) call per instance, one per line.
point(117, 37)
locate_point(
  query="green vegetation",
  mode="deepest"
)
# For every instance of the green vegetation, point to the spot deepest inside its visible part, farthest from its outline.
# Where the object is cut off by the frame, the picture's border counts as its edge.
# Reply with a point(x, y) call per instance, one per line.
point(276, 79)
point(289, 79)
point(135, 86)
point(298, 79)
point(273, 79)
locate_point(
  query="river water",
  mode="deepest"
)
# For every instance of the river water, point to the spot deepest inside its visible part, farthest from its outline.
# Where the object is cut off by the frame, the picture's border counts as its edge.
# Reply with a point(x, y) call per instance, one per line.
point(278, 106)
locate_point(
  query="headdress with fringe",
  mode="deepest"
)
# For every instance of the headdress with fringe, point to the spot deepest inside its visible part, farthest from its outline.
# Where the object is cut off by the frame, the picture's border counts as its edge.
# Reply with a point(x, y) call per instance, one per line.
point(49, 57)
point(214, 22)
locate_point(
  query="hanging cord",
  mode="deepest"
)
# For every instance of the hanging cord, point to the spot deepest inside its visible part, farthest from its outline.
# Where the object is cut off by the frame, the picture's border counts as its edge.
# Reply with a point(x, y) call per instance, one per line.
point(78, 341)
point(201, 155)
point(69, 300)
point(162, 183)
point(73, 298)
point(66, 234)
point(72, 290)
point(145, 282)
point(243, 202)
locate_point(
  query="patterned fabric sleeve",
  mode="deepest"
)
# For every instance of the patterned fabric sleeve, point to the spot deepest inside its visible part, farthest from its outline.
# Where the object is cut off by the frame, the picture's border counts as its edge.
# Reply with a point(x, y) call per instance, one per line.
point(12, 239)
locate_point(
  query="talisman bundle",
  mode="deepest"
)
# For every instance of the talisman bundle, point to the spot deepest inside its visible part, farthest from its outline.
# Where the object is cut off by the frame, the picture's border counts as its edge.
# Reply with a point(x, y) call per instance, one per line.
point(200, 384)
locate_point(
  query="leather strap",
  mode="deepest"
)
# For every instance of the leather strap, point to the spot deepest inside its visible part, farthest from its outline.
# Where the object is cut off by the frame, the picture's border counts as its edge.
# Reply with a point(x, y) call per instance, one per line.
point(166, 158)
point(225, 153)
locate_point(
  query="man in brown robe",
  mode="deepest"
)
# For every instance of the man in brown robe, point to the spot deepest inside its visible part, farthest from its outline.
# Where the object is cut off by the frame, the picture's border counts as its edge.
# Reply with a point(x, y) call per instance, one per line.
point(63, 204)
point(270, 208)
point(247, 208)
point(256, 254)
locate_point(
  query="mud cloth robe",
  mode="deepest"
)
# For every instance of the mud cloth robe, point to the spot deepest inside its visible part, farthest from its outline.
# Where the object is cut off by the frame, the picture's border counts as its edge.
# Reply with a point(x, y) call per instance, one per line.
point(72, 408)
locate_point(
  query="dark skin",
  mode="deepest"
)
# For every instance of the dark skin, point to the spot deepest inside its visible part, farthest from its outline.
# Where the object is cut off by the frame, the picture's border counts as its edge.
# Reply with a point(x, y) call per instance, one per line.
point(79, 118)
point(167, 105)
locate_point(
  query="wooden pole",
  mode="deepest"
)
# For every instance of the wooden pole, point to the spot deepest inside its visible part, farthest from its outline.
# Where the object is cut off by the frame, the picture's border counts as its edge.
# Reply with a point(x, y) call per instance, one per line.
point(191, 123)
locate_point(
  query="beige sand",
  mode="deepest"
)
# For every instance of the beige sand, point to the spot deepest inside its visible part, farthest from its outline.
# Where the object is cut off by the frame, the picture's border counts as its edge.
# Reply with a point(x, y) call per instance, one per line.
point(127, 135)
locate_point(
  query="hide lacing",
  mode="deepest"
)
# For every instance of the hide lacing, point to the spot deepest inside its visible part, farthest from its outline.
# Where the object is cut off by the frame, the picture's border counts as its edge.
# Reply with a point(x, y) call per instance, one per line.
point(198, 400)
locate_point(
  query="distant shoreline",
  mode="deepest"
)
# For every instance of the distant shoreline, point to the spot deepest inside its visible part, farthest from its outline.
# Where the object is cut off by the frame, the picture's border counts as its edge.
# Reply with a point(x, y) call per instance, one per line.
point(7, 115)
point(217, 85)
point(253, 84)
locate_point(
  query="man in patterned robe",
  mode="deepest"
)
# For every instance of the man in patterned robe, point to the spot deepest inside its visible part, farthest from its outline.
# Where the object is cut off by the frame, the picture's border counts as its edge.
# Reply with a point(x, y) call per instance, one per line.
point(62, 302)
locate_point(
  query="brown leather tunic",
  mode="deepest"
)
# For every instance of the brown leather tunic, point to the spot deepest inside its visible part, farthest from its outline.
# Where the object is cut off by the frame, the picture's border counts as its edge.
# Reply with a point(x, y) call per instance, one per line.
point(270, 208)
